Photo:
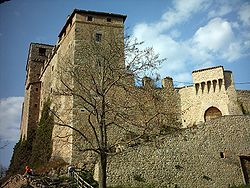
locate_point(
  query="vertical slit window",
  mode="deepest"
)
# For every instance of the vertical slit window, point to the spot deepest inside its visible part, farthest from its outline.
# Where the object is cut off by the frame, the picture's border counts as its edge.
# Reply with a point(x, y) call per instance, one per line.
point(208, 86)
point(220, 84)
point(197, 88)
point(214, 84)
point(202, 86)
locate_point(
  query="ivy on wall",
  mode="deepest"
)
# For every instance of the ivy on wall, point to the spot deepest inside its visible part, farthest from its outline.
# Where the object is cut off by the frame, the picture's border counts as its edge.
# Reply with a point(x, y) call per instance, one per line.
point(42, 144)
point(36, 150)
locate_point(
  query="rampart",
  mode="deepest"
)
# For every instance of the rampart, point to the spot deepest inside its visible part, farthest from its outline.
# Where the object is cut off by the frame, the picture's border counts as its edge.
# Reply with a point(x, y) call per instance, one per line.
point(204, 156)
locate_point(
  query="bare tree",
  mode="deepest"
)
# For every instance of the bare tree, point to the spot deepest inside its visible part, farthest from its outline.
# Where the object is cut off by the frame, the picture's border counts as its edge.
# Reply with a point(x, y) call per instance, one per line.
point(3, 144)
point(108, 109)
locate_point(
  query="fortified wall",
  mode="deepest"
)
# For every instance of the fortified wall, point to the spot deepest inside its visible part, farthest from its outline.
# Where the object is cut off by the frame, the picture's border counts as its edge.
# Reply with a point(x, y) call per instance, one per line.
point(212, 95)
point(211, 155)
point(188, 157)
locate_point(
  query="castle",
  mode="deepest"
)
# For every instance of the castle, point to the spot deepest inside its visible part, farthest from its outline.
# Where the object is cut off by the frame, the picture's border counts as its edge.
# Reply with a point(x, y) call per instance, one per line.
point(211, 98)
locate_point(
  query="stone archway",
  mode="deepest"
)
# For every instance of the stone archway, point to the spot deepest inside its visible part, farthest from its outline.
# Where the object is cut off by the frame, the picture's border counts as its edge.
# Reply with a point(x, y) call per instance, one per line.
point(212, 113)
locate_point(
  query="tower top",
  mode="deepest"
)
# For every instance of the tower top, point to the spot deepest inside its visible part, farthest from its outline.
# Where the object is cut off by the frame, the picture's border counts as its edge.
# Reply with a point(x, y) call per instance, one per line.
point(88, 12)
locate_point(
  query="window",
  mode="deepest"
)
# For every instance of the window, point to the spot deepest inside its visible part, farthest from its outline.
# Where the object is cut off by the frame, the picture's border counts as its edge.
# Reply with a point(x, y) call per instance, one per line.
point(222, 155)
point(42, 51)
point(90, 18)
point(108, 19)
point(197, 88)
point(52, 68)
point(220, 84)
point(36, 89)
point(202, 86)
point(208, 86)
point(98, 37)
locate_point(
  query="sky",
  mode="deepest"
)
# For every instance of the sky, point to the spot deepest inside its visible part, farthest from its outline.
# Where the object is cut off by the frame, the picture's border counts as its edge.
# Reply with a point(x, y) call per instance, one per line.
point(191, 34)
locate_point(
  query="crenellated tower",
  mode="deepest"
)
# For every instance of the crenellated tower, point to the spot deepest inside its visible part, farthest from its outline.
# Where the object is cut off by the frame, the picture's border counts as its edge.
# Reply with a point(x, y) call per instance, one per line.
point(38, 54)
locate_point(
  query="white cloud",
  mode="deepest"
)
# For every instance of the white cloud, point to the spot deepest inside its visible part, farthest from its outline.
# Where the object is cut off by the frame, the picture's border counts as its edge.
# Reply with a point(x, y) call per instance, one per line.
point(221, 11)
point(218, 39)
point(244, 14)
point(214, 36)
point(10, 116)
point(181, 12)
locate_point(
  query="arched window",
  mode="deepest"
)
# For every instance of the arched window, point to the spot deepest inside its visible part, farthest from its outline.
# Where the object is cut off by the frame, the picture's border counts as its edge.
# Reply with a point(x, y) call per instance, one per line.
point(212, 113)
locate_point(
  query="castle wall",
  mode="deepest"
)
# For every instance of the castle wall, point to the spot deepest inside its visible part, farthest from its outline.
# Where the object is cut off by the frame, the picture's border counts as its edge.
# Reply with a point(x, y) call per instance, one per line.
point(213, 87)
point(243, 97)
point(52, 88)
point(203, 156)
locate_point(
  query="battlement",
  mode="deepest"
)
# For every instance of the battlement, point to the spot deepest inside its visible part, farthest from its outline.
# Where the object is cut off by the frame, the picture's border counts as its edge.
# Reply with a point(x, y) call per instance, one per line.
point(91, 17)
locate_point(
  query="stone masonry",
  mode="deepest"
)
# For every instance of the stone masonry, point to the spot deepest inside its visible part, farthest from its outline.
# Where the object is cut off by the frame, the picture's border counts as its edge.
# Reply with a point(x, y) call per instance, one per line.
point(211, 116)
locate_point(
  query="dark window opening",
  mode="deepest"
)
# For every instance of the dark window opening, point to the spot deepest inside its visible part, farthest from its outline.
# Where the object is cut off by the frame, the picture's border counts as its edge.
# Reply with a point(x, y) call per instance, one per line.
point(52, 68)
point(42, 51)
point(98, 37)
point(108, 19)
point(197, 88)
point(208, 86)
point(214, 84)
point(90, 18)
point(35, 105)
point(202, 86)
point(220, 84)
point(51, 90)
point(222, 155)
point(36, 89)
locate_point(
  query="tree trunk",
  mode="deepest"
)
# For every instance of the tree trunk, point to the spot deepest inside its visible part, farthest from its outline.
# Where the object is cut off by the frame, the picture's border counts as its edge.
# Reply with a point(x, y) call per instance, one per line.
point(103, 170)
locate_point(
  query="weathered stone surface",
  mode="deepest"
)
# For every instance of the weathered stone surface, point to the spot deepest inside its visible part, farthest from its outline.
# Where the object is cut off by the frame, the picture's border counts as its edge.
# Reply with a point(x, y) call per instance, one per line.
point(191, 158)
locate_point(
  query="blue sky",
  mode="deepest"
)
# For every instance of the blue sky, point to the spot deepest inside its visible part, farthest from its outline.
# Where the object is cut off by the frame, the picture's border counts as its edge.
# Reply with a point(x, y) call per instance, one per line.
point(191, 34)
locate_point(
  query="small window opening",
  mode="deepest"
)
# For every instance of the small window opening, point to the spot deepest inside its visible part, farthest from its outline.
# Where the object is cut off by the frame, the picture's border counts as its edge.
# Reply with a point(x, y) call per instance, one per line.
point(51, 90)
point(197, 88)
point(108, 19)
point(42, 51)
point(220, 84)
point(98, 37)
point(36, 89)
point(52, 68)
point(214, 84)
point(90, 18)
point(36, 105)
point(222, 155)
point(202, 86)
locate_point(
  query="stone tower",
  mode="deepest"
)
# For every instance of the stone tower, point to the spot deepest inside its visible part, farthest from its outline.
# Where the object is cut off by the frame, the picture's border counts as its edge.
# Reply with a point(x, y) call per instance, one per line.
point(38, 54)
point(82, 30)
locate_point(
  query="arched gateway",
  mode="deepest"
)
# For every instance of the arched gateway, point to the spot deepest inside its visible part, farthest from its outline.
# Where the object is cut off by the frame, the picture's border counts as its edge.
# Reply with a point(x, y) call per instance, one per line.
point(212, 113)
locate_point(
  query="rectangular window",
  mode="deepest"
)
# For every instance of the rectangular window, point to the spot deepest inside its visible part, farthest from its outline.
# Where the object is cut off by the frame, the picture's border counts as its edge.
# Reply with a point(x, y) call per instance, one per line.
point(108, 19)
point(90, 18)
point(98, 37)
point(42, 51)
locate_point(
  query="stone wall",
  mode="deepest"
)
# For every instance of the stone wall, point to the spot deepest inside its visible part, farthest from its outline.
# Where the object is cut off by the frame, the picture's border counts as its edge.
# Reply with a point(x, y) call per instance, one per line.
point(213, 87)
point(243, 97)
point(38, 54)
point(203, 156)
